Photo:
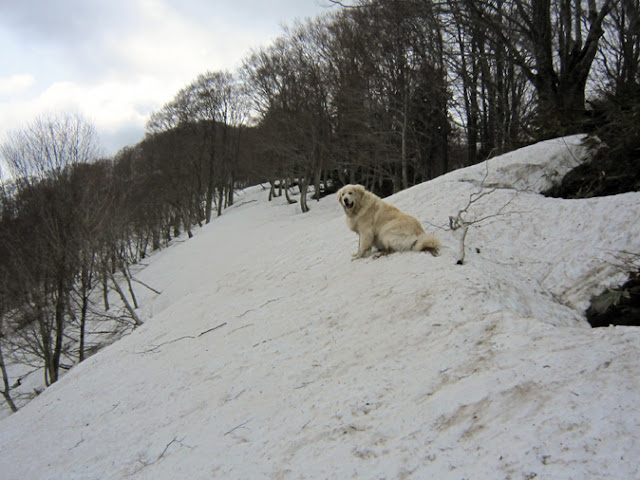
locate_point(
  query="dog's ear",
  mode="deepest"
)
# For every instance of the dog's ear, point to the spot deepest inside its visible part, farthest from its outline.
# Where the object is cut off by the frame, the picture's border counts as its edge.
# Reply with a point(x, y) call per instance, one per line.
point(360, 190)
point(339, 193)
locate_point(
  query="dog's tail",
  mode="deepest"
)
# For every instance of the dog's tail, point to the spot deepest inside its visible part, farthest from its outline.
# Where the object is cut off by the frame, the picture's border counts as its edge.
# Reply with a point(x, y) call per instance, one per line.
point(427, 243)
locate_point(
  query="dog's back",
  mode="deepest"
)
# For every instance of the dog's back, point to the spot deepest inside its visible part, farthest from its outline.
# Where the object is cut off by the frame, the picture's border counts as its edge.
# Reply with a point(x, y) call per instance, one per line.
point(403, 233)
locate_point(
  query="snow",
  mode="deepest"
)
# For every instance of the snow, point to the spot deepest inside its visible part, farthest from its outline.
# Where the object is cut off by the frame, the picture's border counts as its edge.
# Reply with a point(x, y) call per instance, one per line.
point(270, 354)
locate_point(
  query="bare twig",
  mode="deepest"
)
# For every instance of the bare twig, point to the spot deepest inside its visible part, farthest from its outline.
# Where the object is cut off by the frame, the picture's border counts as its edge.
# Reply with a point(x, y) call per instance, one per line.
point(258, 308)
point(175, 440)
point(157, 347)
point(237, 427)
point(302, 385)
point(344, 5)
point(126, 303)
point(460, 221)
point(145, 464)
point(79, 442)
point(240, 328)
point(145, 285)
point(212, 329)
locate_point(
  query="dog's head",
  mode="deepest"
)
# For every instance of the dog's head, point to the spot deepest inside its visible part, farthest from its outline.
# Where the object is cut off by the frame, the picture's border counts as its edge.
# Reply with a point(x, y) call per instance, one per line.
point(350, 196)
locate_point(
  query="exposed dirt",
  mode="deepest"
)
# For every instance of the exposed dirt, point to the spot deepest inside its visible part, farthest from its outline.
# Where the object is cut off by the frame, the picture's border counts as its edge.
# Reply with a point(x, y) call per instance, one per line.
point(611, 171)
point(626, 311)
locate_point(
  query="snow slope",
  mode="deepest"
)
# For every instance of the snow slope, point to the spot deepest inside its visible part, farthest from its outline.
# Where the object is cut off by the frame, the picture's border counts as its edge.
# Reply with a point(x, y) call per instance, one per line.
point(270, 354)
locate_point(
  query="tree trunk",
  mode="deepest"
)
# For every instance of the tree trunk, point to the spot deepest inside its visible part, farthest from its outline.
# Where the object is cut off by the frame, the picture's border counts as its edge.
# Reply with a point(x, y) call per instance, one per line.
point(220, 200)
point(127, 305)
point(6, 393)
point(85, 285)
point(210, 182)
point(127, 276)
point(83, 323)
point(105, 289)
point(303, 194)
point(230, 191)
point(61, 306)
point(272, 190)
point(286, 192)
point(45, 338)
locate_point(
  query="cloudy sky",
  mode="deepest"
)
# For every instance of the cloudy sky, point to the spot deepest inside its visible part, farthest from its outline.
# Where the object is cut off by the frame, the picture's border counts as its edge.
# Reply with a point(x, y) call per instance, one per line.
point(115, 61)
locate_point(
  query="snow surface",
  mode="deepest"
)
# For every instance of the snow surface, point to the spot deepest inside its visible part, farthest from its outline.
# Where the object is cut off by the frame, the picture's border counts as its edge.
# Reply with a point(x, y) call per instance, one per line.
point(270, 354)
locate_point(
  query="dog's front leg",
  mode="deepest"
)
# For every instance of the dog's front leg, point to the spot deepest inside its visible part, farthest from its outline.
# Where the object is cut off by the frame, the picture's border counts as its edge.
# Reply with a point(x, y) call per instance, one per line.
point(365, 244)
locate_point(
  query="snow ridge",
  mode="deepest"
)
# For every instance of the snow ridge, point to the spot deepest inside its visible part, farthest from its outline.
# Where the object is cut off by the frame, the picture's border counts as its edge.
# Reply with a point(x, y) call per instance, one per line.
point(270, 354)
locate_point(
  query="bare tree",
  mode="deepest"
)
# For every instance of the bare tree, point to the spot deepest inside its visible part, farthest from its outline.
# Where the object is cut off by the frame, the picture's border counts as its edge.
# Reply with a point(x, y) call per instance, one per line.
point(6, 392)
point(49, 145)
point(554, 44)
point(492, 95)
point(290, 91)
point(221, 103)
point(5, 297)
point(619, 59)
point(210, 113)
point(45, 244)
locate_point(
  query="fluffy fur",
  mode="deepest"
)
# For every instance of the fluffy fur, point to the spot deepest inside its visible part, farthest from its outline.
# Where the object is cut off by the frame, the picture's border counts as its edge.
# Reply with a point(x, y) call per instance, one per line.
point(381, 225)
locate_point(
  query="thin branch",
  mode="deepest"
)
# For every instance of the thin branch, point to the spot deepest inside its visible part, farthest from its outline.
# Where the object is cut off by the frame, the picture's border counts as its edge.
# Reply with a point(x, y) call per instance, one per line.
point(238, 427)
point(240, 328)
point(258, 308)
point(124, 299)
point(459, 222)
point(343, 5)
point(157, 347)
point(145, 285)
point(145, 464)
point(212, 329)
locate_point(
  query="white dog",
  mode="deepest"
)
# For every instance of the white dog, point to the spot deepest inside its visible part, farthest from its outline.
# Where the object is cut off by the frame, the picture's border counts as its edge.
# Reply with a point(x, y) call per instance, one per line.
point(381, 225)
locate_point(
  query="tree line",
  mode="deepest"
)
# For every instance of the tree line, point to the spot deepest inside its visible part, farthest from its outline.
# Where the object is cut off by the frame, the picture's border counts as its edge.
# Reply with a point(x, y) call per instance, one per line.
point(386, 93)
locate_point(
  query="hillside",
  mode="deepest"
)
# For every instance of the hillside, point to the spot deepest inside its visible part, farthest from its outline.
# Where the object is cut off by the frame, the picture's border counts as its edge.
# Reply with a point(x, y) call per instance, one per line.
point(270, 354)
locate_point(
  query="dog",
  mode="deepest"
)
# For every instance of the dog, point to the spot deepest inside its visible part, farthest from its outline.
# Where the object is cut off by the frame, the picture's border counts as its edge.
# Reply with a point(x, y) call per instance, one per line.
point(381, 225)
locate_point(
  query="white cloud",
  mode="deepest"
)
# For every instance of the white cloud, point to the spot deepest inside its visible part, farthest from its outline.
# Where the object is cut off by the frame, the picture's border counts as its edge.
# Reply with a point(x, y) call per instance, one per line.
point(114, 107)
point(109, 102)
point(177, 48)
point(16, 84)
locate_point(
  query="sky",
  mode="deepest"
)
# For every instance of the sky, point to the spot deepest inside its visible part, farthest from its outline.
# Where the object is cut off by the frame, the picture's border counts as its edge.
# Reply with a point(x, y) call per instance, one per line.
point(114, 62)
